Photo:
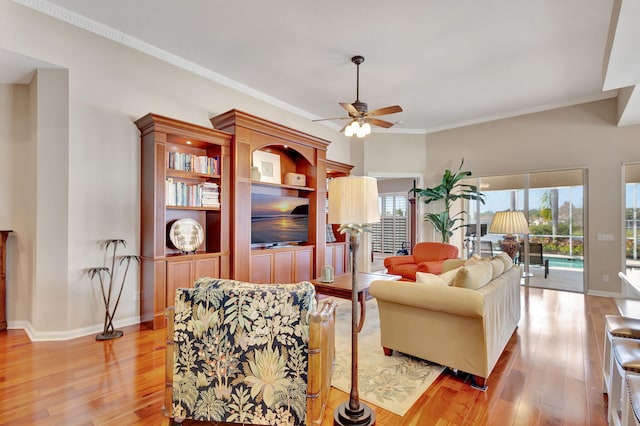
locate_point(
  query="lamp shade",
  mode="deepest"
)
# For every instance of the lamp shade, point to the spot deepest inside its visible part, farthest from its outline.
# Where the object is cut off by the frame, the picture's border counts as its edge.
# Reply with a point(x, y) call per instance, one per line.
point(509, 222)
point(353, 200)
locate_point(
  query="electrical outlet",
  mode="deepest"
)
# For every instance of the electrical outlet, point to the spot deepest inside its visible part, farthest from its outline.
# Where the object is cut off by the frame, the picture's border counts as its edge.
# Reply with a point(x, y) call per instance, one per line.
point(136, 296)
point(605, 278)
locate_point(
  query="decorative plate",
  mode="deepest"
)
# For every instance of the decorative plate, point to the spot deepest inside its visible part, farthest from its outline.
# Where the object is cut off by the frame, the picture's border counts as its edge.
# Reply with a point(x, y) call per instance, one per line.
point(186, 234)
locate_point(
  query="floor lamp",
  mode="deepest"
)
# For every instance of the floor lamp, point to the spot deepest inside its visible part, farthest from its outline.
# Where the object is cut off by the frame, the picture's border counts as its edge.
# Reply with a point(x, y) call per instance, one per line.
point(509, 222)
point(353, 203)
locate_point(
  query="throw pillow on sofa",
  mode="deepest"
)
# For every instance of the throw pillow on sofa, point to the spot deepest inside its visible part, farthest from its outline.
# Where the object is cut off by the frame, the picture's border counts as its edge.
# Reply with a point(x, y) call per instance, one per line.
point(444, 279)
point(473, 276)
point(449, 276)
point(432, 279)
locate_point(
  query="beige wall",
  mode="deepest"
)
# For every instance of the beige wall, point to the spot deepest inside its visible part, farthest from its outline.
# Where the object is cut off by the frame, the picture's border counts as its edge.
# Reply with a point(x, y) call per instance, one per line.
point(50, 126)
point(574, 137)
point(17, 189)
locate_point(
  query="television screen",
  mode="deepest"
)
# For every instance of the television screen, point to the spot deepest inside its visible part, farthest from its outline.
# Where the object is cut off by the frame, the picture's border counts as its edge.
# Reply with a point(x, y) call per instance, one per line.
point(277, 219)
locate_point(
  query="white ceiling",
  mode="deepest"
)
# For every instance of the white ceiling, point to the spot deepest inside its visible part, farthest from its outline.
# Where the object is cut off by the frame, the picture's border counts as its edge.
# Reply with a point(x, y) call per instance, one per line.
point(447, 64)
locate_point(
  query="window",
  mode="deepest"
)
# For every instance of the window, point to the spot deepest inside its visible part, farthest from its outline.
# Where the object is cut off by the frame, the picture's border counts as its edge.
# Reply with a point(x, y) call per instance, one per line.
point(391, 233)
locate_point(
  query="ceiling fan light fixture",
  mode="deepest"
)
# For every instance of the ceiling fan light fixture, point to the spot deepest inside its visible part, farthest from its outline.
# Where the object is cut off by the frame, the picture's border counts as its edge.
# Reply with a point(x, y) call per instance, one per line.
point(358, 112)
point(357, 129)
point(351, 129)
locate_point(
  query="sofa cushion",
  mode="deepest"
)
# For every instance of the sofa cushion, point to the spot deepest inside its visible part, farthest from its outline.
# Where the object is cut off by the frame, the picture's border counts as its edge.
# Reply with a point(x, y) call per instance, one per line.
point(497, 266)
point(506, 259)
point(473, 276)
point(432, 279)
point(475, 257)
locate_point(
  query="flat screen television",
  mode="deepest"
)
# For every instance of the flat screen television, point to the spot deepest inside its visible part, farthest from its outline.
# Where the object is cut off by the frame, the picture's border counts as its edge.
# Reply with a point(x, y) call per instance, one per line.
point(278, 220)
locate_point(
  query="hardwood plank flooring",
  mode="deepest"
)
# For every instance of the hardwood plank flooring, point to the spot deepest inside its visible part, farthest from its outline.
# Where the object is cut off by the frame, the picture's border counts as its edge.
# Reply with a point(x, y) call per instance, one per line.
point(549, 374)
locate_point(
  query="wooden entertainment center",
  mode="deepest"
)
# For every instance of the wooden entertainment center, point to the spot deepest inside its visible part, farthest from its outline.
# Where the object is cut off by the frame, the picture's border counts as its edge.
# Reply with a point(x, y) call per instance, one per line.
point(226, 250)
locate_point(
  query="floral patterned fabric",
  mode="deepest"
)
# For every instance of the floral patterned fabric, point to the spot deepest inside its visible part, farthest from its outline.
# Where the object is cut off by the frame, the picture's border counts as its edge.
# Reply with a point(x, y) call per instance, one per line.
point(241, 351)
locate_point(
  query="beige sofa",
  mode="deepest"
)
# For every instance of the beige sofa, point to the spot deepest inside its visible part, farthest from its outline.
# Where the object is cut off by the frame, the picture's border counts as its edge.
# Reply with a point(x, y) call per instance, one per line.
point(464, 328)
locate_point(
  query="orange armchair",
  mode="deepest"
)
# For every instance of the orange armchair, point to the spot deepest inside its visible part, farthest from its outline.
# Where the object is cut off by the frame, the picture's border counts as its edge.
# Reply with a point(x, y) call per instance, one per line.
point(426, 257)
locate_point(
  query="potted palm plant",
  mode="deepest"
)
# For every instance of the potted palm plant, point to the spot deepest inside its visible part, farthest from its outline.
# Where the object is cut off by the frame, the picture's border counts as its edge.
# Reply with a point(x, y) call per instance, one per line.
point(450, 190)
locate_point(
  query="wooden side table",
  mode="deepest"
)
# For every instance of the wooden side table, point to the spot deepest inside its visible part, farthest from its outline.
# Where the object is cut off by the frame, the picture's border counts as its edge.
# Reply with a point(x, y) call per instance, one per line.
point(3, 278)
point(341, 288)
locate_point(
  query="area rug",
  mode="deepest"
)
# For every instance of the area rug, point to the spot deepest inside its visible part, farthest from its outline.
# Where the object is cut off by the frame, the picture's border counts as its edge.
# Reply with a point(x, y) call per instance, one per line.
point(393, 383)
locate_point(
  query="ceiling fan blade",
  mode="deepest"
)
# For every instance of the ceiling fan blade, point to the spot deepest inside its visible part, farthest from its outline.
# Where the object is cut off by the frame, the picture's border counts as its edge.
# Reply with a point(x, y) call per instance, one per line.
point(334, 118)
point(385, 110)
point(379, 123)
point(350, 108)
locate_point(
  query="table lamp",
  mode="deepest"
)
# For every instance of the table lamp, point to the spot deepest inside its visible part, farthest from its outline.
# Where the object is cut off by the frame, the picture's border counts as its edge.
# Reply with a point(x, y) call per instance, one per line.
point(509, 222)
point(353, 203)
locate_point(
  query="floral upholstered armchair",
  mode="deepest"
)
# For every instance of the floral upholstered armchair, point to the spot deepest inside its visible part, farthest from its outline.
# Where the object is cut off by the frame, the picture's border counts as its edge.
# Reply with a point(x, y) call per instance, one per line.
point(249, 353)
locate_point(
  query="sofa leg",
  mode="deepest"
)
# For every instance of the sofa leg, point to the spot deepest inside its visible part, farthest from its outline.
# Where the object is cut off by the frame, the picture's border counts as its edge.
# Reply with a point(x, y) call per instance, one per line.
point(479, 383)
point(387, 351)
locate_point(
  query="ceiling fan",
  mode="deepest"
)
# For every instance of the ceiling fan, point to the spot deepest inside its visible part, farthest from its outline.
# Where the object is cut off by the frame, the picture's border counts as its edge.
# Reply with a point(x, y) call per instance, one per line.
point(360, 117)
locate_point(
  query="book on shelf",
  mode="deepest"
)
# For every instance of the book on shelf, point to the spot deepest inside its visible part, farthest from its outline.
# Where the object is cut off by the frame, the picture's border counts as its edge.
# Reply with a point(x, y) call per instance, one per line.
point(170, 192)
point(193, 163)
point(183, 194)
point(210, 194)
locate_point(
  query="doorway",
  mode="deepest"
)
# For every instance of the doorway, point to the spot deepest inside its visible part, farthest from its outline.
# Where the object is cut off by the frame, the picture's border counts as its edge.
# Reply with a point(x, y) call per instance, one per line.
point(392, 235)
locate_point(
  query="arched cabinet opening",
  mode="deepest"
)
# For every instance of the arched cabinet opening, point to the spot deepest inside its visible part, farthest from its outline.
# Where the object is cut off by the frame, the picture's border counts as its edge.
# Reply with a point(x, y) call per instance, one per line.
point(292, 168)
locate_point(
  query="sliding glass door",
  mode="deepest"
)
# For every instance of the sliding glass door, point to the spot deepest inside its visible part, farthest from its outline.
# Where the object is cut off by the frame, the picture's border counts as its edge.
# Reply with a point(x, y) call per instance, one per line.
point(553, 203)
point(632, 217)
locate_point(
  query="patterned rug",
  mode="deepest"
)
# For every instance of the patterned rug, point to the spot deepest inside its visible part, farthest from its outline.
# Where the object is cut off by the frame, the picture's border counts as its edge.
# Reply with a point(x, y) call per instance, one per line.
point(390, 382)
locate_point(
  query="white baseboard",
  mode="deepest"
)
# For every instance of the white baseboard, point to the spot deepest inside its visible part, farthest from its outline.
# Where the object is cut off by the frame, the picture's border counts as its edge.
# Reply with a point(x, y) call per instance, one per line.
point(41, 336)
point(614, 295)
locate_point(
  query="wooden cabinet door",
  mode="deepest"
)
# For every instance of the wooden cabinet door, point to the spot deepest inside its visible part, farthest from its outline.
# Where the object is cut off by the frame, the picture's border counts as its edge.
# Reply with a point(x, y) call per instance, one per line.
point(283, 267)
point(179, 274)
point(303, 265)
point(261, 268)
point(207, 268)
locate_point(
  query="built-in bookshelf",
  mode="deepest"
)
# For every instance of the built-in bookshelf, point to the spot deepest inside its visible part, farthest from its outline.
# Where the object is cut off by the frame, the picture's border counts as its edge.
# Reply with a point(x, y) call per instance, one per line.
point(185, 174)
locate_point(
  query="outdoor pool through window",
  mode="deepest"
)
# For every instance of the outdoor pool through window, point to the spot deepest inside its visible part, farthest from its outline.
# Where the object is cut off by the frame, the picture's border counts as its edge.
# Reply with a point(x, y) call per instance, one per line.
point(564, 262)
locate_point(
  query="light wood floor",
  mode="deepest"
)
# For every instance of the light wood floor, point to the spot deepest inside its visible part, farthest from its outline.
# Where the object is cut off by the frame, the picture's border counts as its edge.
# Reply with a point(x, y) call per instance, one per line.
point(549, 374)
